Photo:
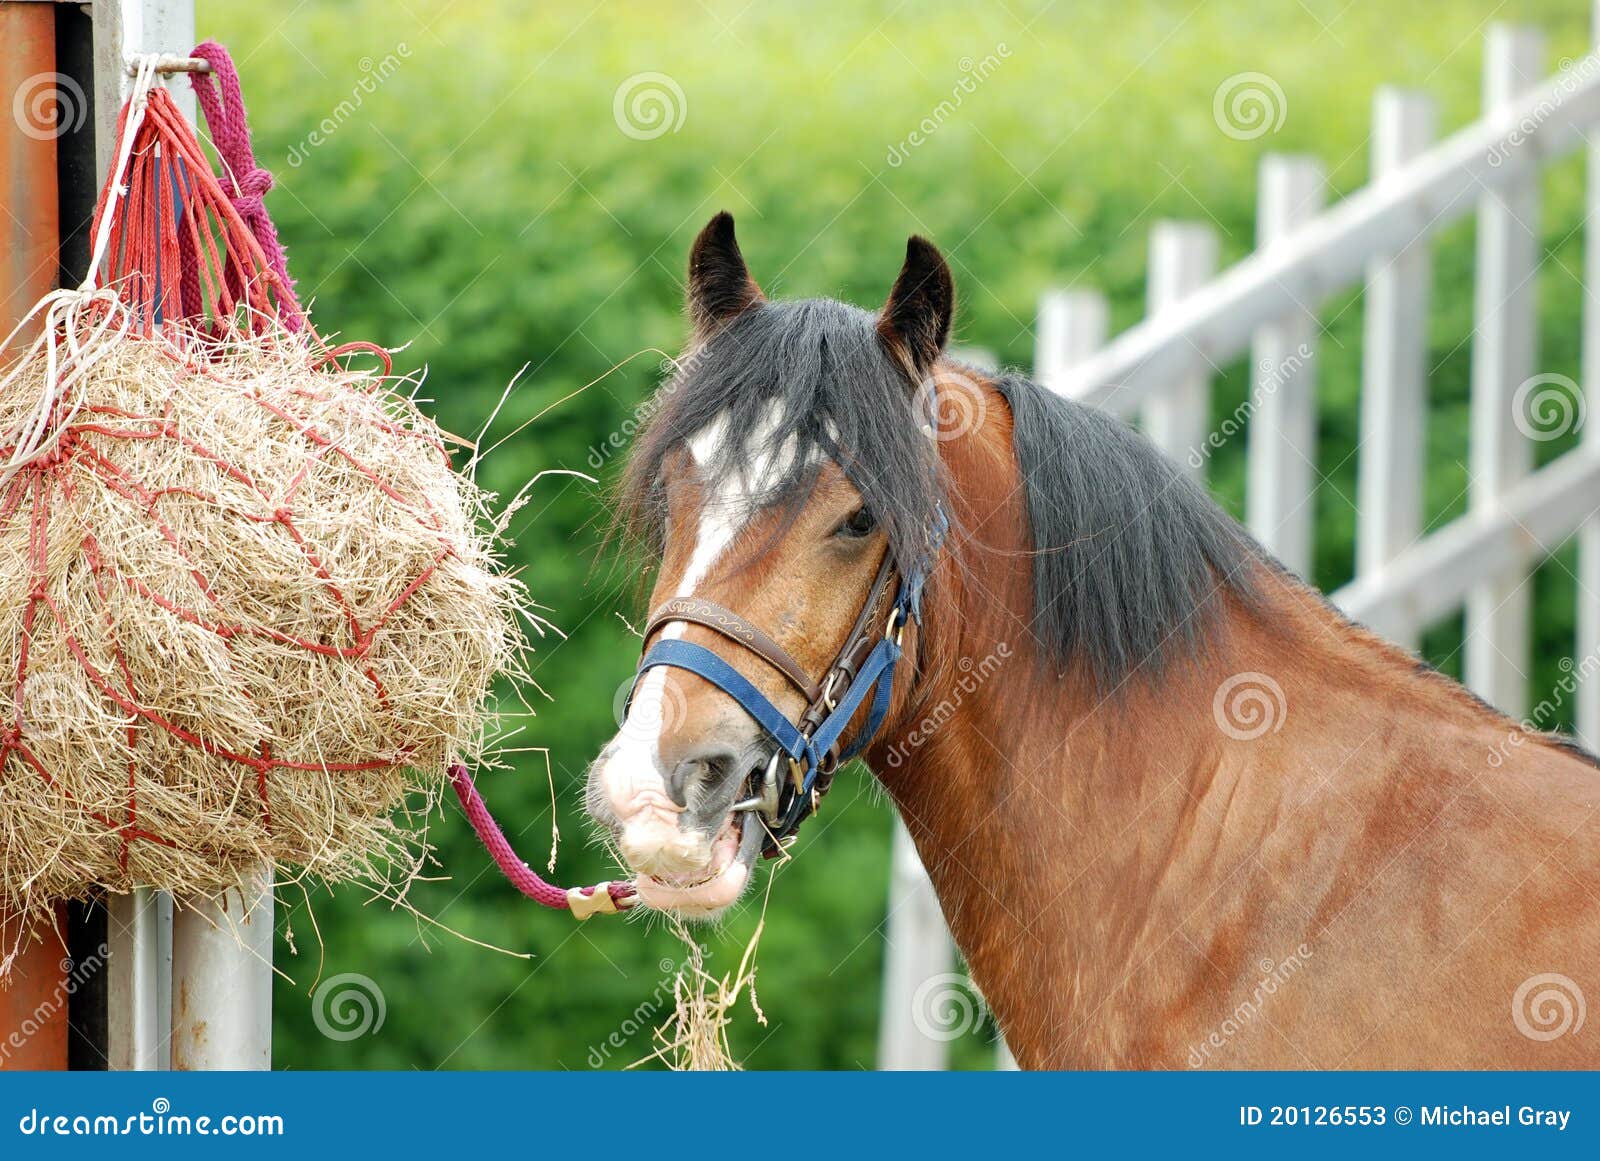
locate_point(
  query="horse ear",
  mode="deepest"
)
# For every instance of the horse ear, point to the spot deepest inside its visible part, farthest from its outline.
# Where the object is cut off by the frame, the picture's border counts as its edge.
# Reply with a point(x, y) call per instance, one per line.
point(720, 286)
point(915, 322)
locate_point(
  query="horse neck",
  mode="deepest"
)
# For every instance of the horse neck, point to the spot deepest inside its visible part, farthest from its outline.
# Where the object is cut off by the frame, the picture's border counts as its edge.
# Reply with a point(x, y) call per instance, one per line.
point(1061, 824)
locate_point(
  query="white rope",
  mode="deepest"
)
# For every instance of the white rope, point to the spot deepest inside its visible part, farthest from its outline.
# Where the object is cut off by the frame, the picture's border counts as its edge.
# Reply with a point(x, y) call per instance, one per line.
point(79, 326)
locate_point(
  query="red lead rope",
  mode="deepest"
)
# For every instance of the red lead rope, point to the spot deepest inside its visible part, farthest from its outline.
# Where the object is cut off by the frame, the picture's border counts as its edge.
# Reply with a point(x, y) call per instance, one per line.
point(603, 898)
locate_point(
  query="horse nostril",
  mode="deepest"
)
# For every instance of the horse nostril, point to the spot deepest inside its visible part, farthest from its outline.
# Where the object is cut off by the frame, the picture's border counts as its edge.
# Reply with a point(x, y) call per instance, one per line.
point(709, 765)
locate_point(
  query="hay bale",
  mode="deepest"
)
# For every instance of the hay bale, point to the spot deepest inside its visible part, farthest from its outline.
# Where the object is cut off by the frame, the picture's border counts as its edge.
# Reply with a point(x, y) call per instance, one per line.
point(245, 608)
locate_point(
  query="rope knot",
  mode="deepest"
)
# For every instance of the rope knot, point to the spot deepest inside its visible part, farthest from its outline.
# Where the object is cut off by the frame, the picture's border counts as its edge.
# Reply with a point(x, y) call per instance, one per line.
point(252, 189)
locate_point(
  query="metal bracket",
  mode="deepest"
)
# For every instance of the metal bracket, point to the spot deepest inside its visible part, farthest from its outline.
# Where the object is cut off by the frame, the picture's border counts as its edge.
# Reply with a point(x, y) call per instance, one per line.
point(596, 902)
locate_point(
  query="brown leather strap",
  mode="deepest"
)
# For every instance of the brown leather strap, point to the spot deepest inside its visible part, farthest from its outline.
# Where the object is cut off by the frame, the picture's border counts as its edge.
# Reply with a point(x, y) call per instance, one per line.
point(710, 615)
point(870, 624)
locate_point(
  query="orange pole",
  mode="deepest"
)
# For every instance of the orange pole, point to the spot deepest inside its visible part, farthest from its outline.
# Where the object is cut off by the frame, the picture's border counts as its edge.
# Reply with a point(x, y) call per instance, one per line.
point(33, 994)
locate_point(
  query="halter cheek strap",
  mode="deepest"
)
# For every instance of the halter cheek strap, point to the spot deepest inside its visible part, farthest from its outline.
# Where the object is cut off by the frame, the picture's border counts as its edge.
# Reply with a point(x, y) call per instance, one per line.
point(863, 668)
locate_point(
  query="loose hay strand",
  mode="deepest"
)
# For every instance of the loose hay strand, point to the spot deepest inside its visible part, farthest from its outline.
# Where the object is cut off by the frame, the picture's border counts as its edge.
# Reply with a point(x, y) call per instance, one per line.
point(695, 1037)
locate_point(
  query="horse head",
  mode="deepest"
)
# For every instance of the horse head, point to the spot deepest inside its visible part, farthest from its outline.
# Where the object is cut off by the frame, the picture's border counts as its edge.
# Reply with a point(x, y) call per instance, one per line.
point(788, 486)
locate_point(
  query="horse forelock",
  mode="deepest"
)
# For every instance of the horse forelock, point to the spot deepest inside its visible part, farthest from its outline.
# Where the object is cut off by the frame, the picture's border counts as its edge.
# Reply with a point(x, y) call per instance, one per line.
point(760, 404)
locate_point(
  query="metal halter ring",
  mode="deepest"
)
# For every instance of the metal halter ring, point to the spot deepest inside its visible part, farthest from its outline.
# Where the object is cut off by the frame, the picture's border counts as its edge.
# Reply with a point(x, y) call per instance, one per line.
point(895, 630)
point(768, 795)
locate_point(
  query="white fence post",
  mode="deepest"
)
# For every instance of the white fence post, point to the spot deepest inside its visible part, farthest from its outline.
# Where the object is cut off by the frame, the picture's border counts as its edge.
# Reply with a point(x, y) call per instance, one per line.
point(1183, 257)
point(917, 949)
point(1587, 645)
point(1283, 423)
point(1394, 359)
point(1504, 354)
point(1072, 324)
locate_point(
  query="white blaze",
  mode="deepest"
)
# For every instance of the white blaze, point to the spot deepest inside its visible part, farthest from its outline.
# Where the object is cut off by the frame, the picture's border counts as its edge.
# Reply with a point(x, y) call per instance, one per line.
point(632, 776)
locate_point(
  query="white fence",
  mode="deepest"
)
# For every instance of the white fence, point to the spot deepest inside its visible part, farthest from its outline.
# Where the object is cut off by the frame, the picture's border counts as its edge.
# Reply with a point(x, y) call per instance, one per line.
point(1266, 304)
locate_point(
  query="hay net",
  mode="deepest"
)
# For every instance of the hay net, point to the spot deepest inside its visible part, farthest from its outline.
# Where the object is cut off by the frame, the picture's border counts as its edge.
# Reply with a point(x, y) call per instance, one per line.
point(246, 605)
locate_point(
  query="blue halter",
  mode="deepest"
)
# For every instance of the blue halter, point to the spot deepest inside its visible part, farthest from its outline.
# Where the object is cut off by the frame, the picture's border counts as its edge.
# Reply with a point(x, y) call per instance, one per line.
point(812, 748)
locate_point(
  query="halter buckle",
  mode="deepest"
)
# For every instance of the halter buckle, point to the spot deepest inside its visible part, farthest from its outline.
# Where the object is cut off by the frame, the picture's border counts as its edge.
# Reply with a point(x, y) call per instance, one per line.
point(895, 630)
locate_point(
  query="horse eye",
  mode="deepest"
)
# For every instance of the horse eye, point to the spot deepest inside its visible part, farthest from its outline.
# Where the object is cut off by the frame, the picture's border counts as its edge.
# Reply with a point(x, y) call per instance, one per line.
point(859, 523)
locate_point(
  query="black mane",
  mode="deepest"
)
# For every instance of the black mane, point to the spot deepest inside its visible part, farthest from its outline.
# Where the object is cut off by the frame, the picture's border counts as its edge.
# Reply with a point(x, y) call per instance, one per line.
point(1131, 555)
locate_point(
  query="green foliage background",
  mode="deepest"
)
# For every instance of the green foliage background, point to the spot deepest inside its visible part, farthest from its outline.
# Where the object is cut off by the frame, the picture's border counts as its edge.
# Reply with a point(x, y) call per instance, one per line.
point(482, 205)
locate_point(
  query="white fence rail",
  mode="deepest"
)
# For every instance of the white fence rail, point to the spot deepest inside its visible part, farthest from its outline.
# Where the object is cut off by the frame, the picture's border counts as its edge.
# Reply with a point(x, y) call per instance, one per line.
point(1268, 304)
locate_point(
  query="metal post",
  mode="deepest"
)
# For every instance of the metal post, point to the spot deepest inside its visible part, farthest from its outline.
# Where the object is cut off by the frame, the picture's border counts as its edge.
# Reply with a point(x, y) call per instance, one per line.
point(33, 1006)
point(222, 979)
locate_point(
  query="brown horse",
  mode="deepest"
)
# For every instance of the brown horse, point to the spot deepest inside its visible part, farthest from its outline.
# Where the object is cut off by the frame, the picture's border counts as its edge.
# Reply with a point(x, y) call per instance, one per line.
point(1177, 809)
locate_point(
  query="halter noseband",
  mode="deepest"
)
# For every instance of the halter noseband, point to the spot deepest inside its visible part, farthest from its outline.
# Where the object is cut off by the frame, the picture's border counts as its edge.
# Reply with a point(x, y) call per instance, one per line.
point(814, 747)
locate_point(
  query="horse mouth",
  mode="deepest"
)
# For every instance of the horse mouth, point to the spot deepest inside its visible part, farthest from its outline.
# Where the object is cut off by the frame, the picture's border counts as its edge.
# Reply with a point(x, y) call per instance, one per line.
point(705, 893)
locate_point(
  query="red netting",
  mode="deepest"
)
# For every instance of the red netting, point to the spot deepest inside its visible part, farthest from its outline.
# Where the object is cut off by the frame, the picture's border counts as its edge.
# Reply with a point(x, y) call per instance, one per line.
point(229, 553)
